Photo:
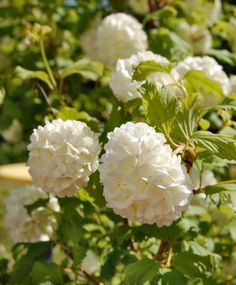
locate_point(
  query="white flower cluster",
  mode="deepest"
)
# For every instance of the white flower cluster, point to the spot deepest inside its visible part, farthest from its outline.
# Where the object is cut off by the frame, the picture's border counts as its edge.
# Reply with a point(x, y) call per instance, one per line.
point(143, 179)
point(62, 155)
point(208, 66)
point(198, 36)
point(37, 226)
point(118, 36)
point(121, 83)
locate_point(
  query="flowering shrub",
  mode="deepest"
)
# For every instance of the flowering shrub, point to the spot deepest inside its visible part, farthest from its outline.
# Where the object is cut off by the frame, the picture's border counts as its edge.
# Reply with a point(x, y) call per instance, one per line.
point(125, 112)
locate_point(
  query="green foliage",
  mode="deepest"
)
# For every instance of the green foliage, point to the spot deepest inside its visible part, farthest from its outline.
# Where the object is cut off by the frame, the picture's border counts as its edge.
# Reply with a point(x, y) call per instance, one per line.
point(45, 74)
point(42, 272)
point(139, 272)
point(87, 69)
point(25, 74)
point(144, 69)
point(169, 44)
point(160, 107)
point(28, 254)
point(196, 81)
point(222, 146)
point(193, 265)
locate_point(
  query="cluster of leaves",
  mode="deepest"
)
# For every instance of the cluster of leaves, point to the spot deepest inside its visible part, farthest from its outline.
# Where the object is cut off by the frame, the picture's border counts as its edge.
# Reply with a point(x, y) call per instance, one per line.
point(44, 74)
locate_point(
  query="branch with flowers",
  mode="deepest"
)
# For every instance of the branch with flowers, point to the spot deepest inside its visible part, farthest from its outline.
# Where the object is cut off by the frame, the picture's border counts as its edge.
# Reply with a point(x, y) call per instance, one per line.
point(133, 178)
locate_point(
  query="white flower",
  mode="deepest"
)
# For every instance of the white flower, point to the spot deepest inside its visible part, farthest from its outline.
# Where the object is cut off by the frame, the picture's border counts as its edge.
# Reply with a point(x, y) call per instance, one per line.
point(121, 83)
point(209, 11)
point(14, 133)
point(90, 263)
point(62, 156)
point(139, 6)
point(208, 66)
point(143, 179)
point(88, 38)
point(119, 36)
point(198, 36)
point(37, 226)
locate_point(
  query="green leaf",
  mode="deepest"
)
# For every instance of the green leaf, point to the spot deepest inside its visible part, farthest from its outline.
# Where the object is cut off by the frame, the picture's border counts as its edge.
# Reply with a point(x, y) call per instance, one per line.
point(144, 69)
point(25, 74)
point(23, 266)
point(39, 203)
point(68, 113)
point(169, 44)
point(95, 190)
point(185, 123)
point(139, 272)
point(108, 269)
point(84, 196)
point(196, 81)
point(173, 232)
point(193, 265)
point(90, 70)
point(223, 56)
point(46, 271)
point(160, 106)
point(220, 145)
point(220, 188)
point(174, 277)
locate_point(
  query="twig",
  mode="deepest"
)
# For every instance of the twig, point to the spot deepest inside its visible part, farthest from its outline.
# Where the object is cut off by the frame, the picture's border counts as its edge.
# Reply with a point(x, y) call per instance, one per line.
point(40, 88)
point(162, 248)
point(90, 278)
point(169, 257)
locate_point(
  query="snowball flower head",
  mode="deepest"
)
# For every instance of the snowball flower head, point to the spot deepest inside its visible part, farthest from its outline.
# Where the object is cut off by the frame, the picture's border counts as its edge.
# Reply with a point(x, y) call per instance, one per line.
point(208, 66)
point(121, 83)
point(62, 155)
point(119, 36)
point(30, 227)
point(143, 179)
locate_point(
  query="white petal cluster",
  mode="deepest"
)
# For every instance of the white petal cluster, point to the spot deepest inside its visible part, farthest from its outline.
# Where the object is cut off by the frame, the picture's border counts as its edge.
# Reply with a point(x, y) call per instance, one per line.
point(121, 83)
point(143, 179)
point(62, 155)
point(208, 66)
point(119, 36)
point(209, 11)
point(198, 36)
point(90, 263)
point(139, 6)
point(37, 226)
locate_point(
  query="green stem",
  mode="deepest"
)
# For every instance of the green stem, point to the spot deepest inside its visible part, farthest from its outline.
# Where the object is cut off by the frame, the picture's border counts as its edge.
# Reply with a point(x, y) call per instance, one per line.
point(46, 64)
point(171, 142)
point(227, 182)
